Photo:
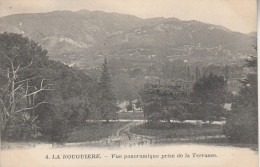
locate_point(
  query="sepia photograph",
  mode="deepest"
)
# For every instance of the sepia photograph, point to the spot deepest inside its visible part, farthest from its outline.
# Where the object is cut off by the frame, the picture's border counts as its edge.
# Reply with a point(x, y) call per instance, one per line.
point(121, 83)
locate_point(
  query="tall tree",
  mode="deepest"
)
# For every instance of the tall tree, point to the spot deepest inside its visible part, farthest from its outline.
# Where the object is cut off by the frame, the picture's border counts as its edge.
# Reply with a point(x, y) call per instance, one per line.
point(242, 122)
point(164, 102)
point(107, 99)
point(209, 93)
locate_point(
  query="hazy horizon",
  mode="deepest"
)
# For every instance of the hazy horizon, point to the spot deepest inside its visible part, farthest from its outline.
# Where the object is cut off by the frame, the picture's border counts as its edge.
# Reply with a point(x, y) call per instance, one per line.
point(236, 15)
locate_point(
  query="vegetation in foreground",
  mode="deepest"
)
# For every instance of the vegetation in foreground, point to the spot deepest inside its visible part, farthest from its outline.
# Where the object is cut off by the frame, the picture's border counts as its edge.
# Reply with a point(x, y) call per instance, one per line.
point(242, 121)
point(94, 131)
point(164, 130)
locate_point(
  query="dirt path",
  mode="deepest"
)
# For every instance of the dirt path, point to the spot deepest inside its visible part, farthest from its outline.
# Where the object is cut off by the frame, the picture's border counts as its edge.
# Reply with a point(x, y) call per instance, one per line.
point(124, 137)
point(121, 137)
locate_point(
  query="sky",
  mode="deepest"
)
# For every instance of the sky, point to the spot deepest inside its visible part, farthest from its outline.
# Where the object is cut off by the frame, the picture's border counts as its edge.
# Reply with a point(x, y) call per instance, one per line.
point(237, 15)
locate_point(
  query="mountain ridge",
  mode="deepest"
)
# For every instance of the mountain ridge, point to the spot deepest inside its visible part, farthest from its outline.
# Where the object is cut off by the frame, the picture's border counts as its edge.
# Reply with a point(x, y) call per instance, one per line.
point(83, 36)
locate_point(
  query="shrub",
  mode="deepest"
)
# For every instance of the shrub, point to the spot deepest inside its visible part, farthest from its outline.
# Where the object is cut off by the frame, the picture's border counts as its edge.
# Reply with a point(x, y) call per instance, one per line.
point(59, 131)
point(19, 127)
point(241, 128)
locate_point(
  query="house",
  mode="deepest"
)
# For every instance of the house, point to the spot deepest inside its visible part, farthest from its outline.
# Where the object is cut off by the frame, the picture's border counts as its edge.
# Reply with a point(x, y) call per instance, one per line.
point(135, 106)
point(227, 106)
point(123, 106)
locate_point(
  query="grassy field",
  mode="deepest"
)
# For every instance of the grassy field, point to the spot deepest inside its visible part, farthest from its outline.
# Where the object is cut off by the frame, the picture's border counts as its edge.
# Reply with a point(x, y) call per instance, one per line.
point(94, 131)
point(165, 130)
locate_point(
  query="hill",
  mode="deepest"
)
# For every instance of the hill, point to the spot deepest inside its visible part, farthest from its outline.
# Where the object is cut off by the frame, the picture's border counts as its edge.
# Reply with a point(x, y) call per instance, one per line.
point(84, 37)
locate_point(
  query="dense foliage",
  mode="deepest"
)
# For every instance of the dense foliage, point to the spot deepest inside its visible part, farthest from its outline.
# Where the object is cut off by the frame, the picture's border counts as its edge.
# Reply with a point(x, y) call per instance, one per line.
point(209, 95)
point(242, 122)
point(164, 102)
point(40, 98)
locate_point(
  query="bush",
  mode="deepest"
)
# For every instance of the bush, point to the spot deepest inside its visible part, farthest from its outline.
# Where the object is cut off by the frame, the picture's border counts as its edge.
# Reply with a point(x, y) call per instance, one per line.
point(54, 127)
point(59, 131)
point(19, 127)
point(241, 128)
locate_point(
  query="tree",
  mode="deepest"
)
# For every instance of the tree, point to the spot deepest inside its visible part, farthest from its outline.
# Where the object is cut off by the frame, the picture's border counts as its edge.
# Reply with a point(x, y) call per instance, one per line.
point(227, 72)
point(21, 86)
point(124, 87)
point(209, 94)
point(107, 99)
point(242, 122)
point(164, 102)
point(197, 74)
point(73, 99)
point(188, 73)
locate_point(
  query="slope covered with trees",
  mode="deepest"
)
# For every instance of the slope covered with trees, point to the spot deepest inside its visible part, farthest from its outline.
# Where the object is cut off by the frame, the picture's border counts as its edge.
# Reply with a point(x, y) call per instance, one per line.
point(39, 97)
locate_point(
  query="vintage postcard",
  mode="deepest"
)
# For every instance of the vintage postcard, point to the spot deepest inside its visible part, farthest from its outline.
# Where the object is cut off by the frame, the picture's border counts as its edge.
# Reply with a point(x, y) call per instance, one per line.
point(123, 83)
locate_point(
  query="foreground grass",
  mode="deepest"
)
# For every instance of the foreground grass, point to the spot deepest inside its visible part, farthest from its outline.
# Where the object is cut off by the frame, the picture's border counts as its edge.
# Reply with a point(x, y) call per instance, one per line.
point(94, 131)
point(163, 130)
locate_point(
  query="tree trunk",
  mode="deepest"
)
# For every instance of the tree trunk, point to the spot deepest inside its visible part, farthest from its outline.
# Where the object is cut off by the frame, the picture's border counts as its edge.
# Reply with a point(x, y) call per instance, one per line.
point(1, 122)
point(12, 98)
point(32, 104)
